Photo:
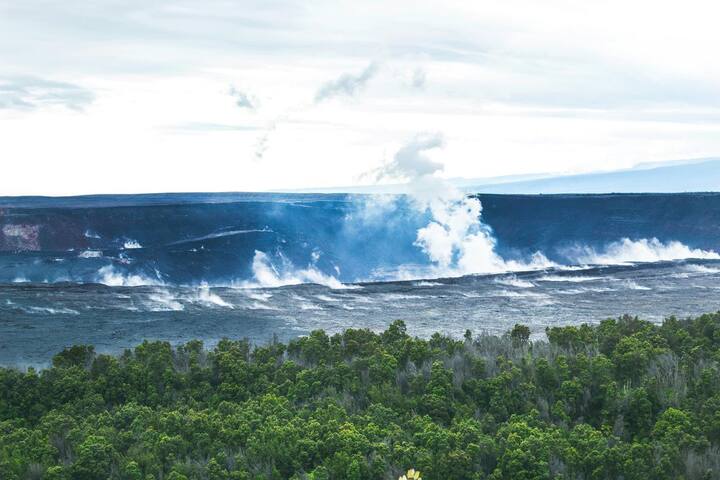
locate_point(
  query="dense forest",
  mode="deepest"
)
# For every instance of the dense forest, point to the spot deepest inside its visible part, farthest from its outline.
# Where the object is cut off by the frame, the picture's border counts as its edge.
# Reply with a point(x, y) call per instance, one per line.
point(621, 399)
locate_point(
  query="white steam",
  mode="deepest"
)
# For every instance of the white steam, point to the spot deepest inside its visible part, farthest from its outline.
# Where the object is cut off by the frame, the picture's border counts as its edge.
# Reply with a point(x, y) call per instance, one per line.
point(513, 281)
point(108, 275)
point(643, 250)
point(267, 275)
point(206, 297)
point(702, 269)
point(131, 244)
point(164, 301)
point(455, 240)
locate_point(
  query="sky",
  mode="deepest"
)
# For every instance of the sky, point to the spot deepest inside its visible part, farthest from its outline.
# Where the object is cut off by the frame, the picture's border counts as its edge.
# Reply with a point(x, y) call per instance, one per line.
point(129, 96)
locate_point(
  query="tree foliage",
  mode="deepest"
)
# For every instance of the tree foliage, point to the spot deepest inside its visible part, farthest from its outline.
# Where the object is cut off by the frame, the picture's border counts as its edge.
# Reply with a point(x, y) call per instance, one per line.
point(622, 399)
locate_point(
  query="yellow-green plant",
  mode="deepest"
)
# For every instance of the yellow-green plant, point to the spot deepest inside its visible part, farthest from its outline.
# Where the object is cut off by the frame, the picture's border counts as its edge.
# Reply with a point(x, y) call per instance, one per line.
point(411, 474)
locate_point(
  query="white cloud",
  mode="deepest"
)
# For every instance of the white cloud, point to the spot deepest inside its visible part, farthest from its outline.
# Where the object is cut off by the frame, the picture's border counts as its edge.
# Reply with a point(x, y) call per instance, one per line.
point(419, 78)
point(346, 84)
point(242, 99)
point(516, 87)
point(27, 93)
point(411, 161)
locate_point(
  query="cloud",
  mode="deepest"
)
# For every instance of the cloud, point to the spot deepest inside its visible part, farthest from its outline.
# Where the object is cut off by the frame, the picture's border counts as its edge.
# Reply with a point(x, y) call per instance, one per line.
point(242, 99)
point(411, 162)
point(419, 78)
point(262, 145)
point(201, 127)
point(347, 84)
point(554, 55)
point(541, 82)
point(263, 141)
point(29, 93)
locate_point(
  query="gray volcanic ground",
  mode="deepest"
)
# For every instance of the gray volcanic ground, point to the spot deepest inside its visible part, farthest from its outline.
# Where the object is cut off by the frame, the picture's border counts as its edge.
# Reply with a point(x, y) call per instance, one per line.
point(36, 320)
point(113, 270)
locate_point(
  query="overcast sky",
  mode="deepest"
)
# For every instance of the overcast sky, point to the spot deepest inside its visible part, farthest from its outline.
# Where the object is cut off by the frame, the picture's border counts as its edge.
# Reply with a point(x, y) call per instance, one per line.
point(215, 95)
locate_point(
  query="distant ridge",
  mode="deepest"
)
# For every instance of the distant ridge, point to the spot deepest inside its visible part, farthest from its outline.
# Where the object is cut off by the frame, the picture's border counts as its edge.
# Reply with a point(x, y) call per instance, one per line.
point(689, 176)
point(676, 176)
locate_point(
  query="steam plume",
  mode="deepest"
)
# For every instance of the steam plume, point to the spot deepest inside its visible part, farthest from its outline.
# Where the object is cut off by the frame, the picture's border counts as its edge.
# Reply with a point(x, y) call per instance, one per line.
point(455, 240)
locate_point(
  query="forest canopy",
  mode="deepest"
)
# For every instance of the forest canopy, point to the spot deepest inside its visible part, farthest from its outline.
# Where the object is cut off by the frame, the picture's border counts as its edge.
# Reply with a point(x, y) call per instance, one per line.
point(625, 398)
